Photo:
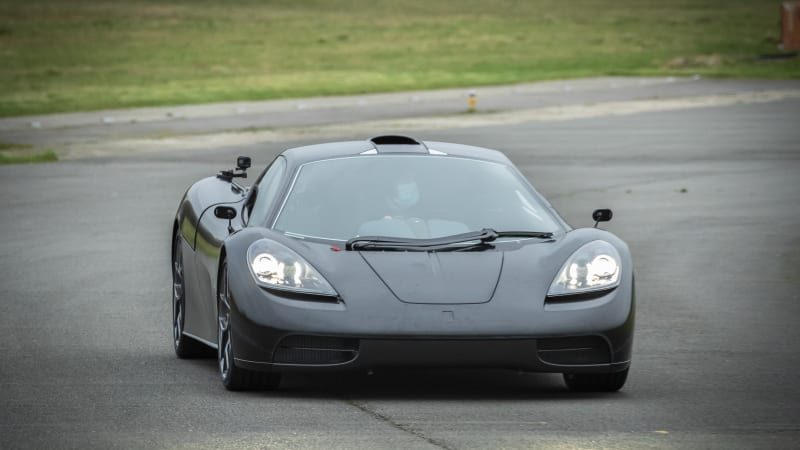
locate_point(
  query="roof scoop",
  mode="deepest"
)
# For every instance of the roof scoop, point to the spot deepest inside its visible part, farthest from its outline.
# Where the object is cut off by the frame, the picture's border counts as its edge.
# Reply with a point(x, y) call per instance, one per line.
point(398, 144)
point(394, 140)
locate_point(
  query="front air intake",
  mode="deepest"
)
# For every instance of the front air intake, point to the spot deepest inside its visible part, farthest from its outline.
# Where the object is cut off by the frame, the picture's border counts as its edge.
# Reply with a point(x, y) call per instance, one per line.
point(580, 350)
point(302, 349)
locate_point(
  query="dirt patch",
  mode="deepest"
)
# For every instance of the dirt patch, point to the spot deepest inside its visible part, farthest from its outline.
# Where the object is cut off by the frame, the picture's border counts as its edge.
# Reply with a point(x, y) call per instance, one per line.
point(697, 61)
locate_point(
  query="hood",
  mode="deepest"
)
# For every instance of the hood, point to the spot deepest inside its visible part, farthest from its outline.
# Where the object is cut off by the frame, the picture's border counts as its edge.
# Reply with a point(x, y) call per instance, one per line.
point(438, 277)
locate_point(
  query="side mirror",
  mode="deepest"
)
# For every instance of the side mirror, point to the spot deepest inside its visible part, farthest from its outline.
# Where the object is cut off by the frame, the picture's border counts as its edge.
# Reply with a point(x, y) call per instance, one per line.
point(601, 215)
point(226, 212)
point(243, 162)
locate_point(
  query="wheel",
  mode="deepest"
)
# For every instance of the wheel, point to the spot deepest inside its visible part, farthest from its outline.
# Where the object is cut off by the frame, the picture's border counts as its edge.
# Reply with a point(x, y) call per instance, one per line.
point(235, 378)
point(185, 347)
point(596, 382)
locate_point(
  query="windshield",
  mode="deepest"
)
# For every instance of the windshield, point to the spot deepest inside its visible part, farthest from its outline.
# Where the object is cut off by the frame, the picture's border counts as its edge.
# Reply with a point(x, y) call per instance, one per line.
point(407, 196)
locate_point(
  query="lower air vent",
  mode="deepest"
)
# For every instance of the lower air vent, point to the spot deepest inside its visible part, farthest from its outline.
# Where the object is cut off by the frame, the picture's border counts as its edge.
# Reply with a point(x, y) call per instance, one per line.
point(300, 349)
point(574, 350)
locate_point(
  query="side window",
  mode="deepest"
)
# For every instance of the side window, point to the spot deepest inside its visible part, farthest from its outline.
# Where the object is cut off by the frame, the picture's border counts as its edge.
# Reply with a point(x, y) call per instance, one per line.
point(267, 189)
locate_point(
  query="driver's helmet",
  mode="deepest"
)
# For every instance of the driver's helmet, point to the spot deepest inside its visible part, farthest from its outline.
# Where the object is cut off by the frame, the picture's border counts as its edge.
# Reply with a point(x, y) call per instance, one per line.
point(404, 194)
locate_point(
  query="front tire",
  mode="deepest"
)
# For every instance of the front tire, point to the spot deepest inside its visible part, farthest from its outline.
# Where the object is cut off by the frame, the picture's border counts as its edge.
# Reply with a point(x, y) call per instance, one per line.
point(596, 382)
point(185, 347)
point(235, 378)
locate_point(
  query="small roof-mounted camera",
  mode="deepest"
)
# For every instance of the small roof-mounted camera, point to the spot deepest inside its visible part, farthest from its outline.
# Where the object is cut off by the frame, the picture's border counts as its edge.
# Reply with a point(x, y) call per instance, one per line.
point(242, 164)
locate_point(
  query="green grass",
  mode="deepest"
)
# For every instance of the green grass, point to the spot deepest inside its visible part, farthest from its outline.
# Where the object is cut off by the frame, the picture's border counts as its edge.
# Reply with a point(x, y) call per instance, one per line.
point(84, 55)
point(14, 153)
point(23, 157)
point(13, 146)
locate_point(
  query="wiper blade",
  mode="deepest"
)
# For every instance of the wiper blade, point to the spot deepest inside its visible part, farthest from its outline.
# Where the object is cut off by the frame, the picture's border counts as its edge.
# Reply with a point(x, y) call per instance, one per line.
point(395, 243)
point(530, 234)
point(446, 243)
point(483, 245)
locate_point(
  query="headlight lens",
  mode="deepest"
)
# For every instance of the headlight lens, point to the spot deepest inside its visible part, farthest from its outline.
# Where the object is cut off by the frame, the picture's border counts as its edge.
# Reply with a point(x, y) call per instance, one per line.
point(593, 267)
point(274, 265)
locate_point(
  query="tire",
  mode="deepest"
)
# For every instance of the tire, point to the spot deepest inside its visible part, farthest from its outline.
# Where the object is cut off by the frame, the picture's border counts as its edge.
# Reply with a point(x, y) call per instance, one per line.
point(185, 347)
point(596, 382)
point(235, 378)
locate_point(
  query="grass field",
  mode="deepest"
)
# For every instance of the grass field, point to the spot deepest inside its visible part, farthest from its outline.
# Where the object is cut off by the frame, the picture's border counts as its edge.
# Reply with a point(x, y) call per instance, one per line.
point(21, 153)
point(83, 55)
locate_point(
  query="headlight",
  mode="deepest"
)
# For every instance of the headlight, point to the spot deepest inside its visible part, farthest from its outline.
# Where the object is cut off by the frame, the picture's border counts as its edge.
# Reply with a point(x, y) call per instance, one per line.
point(274, 265)
point(593, 267)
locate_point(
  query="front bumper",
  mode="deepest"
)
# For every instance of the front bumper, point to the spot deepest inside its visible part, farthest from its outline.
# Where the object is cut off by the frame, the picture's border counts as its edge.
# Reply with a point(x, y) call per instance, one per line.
point(278, 334)
point(576, 354)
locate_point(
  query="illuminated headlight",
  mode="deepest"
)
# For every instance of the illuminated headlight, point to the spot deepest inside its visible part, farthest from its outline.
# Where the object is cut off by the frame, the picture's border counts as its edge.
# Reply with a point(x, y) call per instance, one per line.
point(274, 265)
point(593, 267)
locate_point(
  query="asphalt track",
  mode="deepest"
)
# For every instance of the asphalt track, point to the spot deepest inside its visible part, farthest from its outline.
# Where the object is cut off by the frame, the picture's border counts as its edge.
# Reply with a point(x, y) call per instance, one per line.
point(707, 198)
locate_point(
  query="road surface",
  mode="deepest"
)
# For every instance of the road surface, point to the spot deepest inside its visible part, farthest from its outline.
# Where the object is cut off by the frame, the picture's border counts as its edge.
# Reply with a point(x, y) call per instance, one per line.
point(707, 198)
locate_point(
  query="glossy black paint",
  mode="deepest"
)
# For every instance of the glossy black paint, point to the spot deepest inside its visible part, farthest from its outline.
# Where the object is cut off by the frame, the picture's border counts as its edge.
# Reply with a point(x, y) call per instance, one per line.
point(203, 235)
point(494, 313)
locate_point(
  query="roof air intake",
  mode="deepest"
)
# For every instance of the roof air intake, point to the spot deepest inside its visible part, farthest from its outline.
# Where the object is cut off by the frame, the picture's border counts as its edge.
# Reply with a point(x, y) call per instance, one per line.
point(394, 140)
point(398, 144)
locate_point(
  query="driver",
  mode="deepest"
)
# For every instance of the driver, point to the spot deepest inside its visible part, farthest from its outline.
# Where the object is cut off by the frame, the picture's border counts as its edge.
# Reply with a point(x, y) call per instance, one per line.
point(401, 205)
point(403, 198)
point(406, 214)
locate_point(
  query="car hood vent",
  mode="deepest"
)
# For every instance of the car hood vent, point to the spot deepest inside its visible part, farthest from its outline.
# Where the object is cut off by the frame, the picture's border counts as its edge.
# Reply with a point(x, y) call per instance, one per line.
point(438, 277)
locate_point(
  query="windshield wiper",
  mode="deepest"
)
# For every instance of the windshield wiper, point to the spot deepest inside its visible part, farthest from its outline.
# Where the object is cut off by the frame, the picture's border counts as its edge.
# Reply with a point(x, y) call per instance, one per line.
point(446, 243)
point(526, 234)
point(483, 245)
point(396, 243)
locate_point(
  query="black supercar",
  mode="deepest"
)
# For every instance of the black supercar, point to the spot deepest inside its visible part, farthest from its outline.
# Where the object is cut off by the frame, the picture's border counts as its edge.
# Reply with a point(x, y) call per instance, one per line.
point(395, 252)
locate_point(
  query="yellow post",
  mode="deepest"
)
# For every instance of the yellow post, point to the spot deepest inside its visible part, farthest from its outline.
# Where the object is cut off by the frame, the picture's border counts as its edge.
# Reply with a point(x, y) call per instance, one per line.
point(473, 101)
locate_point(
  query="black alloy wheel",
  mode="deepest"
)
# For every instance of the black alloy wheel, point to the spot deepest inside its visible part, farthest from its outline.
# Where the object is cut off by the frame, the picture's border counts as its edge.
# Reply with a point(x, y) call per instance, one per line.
point(235, 378)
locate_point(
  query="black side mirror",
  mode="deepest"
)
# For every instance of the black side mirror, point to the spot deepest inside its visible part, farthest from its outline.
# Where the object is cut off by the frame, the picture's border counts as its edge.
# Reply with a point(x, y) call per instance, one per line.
point(243, 162)
point(601, 215)
point(226, 212)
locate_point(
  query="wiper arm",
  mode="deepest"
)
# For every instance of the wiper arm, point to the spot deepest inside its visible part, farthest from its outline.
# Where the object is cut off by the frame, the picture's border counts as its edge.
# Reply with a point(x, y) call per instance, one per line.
point(394, 243)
